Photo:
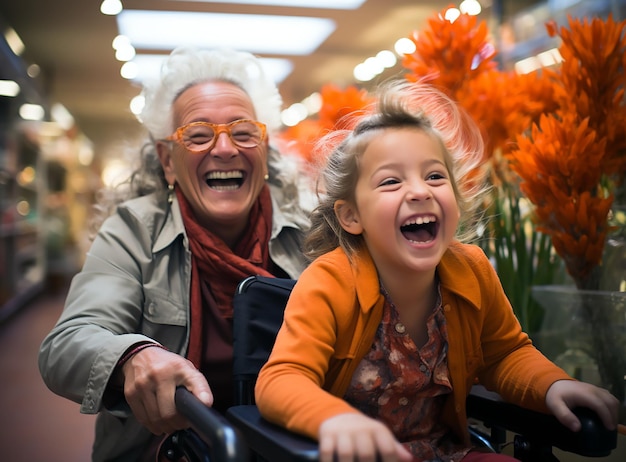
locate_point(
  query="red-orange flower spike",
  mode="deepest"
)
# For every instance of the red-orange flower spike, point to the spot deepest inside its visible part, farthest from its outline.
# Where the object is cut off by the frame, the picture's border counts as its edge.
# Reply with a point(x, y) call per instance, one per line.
point(338, 104)
point(591, 81)
point(448, 54)
point(301, 138)
point(568, 203)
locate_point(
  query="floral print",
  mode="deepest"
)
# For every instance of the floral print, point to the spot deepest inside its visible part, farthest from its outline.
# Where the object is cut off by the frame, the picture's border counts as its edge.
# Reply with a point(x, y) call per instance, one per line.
point(405, 386)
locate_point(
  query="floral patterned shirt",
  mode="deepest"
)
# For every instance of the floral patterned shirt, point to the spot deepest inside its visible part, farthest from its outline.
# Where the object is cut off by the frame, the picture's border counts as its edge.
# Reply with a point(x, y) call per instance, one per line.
point(405, 386)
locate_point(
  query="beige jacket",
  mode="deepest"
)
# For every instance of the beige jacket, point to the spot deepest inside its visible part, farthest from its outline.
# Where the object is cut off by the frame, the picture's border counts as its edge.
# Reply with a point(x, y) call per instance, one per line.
point(134, 286)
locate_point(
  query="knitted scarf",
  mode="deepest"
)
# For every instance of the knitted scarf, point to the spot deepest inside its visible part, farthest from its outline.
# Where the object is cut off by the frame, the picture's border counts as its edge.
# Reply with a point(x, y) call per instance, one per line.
point(219, 268)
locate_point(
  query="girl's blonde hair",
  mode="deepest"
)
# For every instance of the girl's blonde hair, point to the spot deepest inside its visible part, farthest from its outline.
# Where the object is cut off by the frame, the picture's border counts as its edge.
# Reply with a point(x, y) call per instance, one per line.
point(399, 104)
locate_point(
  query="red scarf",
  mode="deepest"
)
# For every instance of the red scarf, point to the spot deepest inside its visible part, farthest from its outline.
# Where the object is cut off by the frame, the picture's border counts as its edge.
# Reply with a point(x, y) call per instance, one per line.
point(221, 269)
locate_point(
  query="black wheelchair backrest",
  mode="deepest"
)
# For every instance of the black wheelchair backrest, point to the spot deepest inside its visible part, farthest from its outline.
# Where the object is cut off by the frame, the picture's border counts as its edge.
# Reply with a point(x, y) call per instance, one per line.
point(258, 307)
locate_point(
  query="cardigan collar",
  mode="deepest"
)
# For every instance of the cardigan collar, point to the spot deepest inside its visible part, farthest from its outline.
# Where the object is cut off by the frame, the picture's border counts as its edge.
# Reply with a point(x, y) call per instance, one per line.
point(455, 275)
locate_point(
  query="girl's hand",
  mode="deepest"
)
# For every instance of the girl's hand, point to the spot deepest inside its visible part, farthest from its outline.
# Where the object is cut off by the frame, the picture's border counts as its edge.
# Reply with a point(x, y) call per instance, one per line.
point(563, 395)
point(358, 438)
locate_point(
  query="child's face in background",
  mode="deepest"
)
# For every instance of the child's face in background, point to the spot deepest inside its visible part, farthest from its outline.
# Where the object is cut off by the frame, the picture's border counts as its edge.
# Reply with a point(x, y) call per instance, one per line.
point(406, 209)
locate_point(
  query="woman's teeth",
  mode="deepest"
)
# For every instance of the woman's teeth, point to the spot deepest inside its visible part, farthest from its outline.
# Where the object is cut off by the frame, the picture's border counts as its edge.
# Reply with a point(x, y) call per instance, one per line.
point(224, 181)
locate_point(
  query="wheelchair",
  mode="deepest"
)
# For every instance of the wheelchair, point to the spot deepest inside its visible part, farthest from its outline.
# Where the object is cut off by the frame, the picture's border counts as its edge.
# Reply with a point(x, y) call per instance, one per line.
point(242, 435)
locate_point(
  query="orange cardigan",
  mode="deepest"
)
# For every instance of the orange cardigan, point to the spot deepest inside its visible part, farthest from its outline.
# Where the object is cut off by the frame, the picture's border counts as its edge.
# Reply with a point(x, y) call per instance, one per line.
point(330, 322)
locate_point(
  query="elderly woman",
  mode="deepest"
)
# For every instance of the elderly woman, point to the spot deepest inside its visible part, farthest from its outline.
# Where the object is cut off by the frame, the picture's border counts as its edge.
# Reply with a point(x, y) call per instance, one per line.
point(212, 203)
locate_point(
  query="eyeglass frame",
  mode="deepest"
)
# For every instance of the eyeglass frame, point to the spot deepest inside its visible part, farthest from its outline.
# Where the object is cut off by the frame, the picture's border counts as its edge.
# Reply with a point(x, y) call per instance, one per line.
point(177, 136)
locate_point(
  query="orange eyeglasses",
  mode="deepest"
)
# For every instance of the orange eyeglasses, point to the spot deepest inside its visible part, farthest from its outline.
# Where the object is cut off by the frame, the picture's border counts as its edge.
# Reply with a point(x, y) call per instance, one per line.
point(200, 137)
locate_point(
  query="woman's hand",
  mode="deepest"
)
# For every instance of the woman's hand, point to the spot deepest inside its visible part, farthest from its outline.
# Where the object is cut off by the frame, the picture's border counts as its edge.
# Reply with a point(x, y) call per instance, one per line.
point(358, 438)
point(150, 380)
point(563, 395)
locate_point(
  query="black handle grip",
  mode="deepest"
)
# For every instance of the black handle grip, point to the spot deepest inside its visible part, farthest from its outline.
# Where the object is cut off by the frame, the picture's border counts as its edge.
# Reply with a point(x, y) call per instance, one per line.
point(224, 442)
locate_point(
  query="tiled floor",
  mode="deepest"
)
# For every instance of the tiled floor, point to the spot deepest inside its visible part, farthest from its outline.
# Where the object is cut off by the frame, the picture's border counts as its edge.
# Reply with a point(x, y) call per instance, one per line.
point(35, 424)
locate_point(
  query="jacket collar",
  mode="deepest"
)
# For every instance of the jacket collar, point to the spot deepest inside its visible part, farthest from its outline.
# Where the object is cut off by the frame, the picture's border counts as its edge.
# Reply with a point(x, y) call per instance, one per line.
point(285, 214)
point(366, 279)
point(172, 227)
point(455, 275)
point(286, 211)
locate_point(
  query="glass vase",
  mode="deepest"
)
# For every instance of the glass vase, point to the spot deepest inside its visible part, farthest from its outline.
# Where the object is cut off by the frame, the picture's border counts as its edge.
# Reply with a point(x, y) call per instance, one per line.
point(614, 256)
point(584, 332)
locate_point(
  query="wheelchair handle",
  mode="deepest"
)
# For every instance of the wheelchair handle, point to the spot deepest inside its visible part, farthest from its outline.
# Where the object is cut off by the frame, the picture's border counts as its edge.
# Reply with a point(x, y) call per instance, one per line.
point(224, 441)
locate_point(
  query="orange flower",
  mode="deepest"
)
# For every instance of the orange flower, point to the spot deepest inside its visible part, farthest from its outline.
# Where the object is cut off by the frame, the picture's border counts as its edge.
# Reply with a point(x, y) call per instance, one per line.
point(569, 203)
point(300, 139)
point(567, 159)
point(591, 82)
point(338, 107)
point(505, 104)
point(449, 54)
point(338, 104)
point(459, 58)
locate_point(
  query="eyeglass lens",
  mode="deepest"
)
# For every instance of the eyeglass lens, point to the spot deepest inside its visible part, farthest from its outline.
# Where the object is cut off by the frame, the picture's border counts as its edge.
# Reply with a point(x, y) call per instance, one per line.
point(200, 137)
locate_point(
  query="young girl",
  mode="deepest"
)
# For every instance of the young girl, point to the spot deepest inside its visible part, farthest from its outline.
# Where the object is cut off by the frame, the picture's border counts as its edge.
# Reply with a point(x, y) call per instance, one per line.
point(388, 328)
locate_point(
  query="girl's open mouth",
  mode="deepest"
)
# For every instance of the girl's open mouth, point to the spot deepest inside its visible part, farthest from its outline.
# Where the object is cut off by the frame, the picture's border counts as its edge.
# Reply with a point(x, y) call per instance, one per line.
point(420, 229)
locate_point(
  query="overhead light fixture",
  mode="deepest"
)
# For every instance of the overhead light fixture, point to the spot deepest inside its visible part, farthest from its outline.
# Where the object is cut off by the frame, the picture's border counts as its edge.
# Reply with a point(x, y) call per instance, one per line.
point(14, 41)
point(166, 30)
point(330, 4)
point(404, 46)
point(452, 14)
point(29, 111)
point(470, 7)
point(62, 116)
point(9, 88)
point(149, 66)
point(111, 7)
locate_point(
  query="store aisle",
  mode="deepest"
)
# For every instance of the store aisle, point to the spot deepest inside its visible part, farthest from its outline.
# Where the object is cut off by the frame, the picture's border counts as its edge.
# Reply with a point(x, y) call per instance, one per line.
point(35, 424)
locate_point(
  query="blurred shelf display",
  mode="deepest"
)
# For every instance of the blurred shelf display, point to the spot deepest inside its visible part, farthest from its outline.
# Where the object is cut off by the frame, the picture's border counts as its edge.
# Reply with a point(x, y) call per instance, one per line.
point(524, 34)
point(22, 187)
point(22, 247)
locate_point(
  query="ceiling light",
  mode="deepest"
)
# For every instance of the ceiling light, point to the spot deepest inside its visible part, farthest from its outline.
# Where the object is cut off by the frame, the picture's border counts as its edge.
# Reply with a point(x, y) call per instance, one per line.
point(33, 70)
point(166, 30)
point(149, 66)
point(31, 112)
point(111, 7)
point(14, 41)
point(404, 46)
point(386, 58)
point(120, 41)
point(331, 4)
point(470, 7)
point(137, 104)
point(9, 88)
point(452, 14)
point(363, 73)
point(125, 53)
point(129, 70)
point(62, 116)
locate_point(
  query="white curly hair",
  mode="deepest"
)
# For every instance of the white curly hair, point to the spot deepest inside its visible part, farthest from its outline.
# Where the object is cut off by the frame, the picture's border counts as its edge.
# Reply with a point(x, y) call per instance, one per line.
point(184, 68)
point(188, 66)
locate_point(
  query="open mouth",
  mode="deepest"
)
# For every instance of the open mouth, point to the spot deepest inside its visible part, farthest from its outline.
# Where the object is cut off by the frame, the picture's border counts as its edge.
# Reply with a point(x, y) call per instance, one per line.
point(420, 229)
point(225, 181)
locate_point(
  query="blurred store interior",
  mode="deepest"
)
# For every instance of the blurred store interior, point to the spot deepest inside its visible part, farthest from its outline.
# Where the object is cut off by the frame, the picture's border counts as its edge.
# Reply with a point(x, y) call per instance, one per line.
point(68, 90)
point(70, 75)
